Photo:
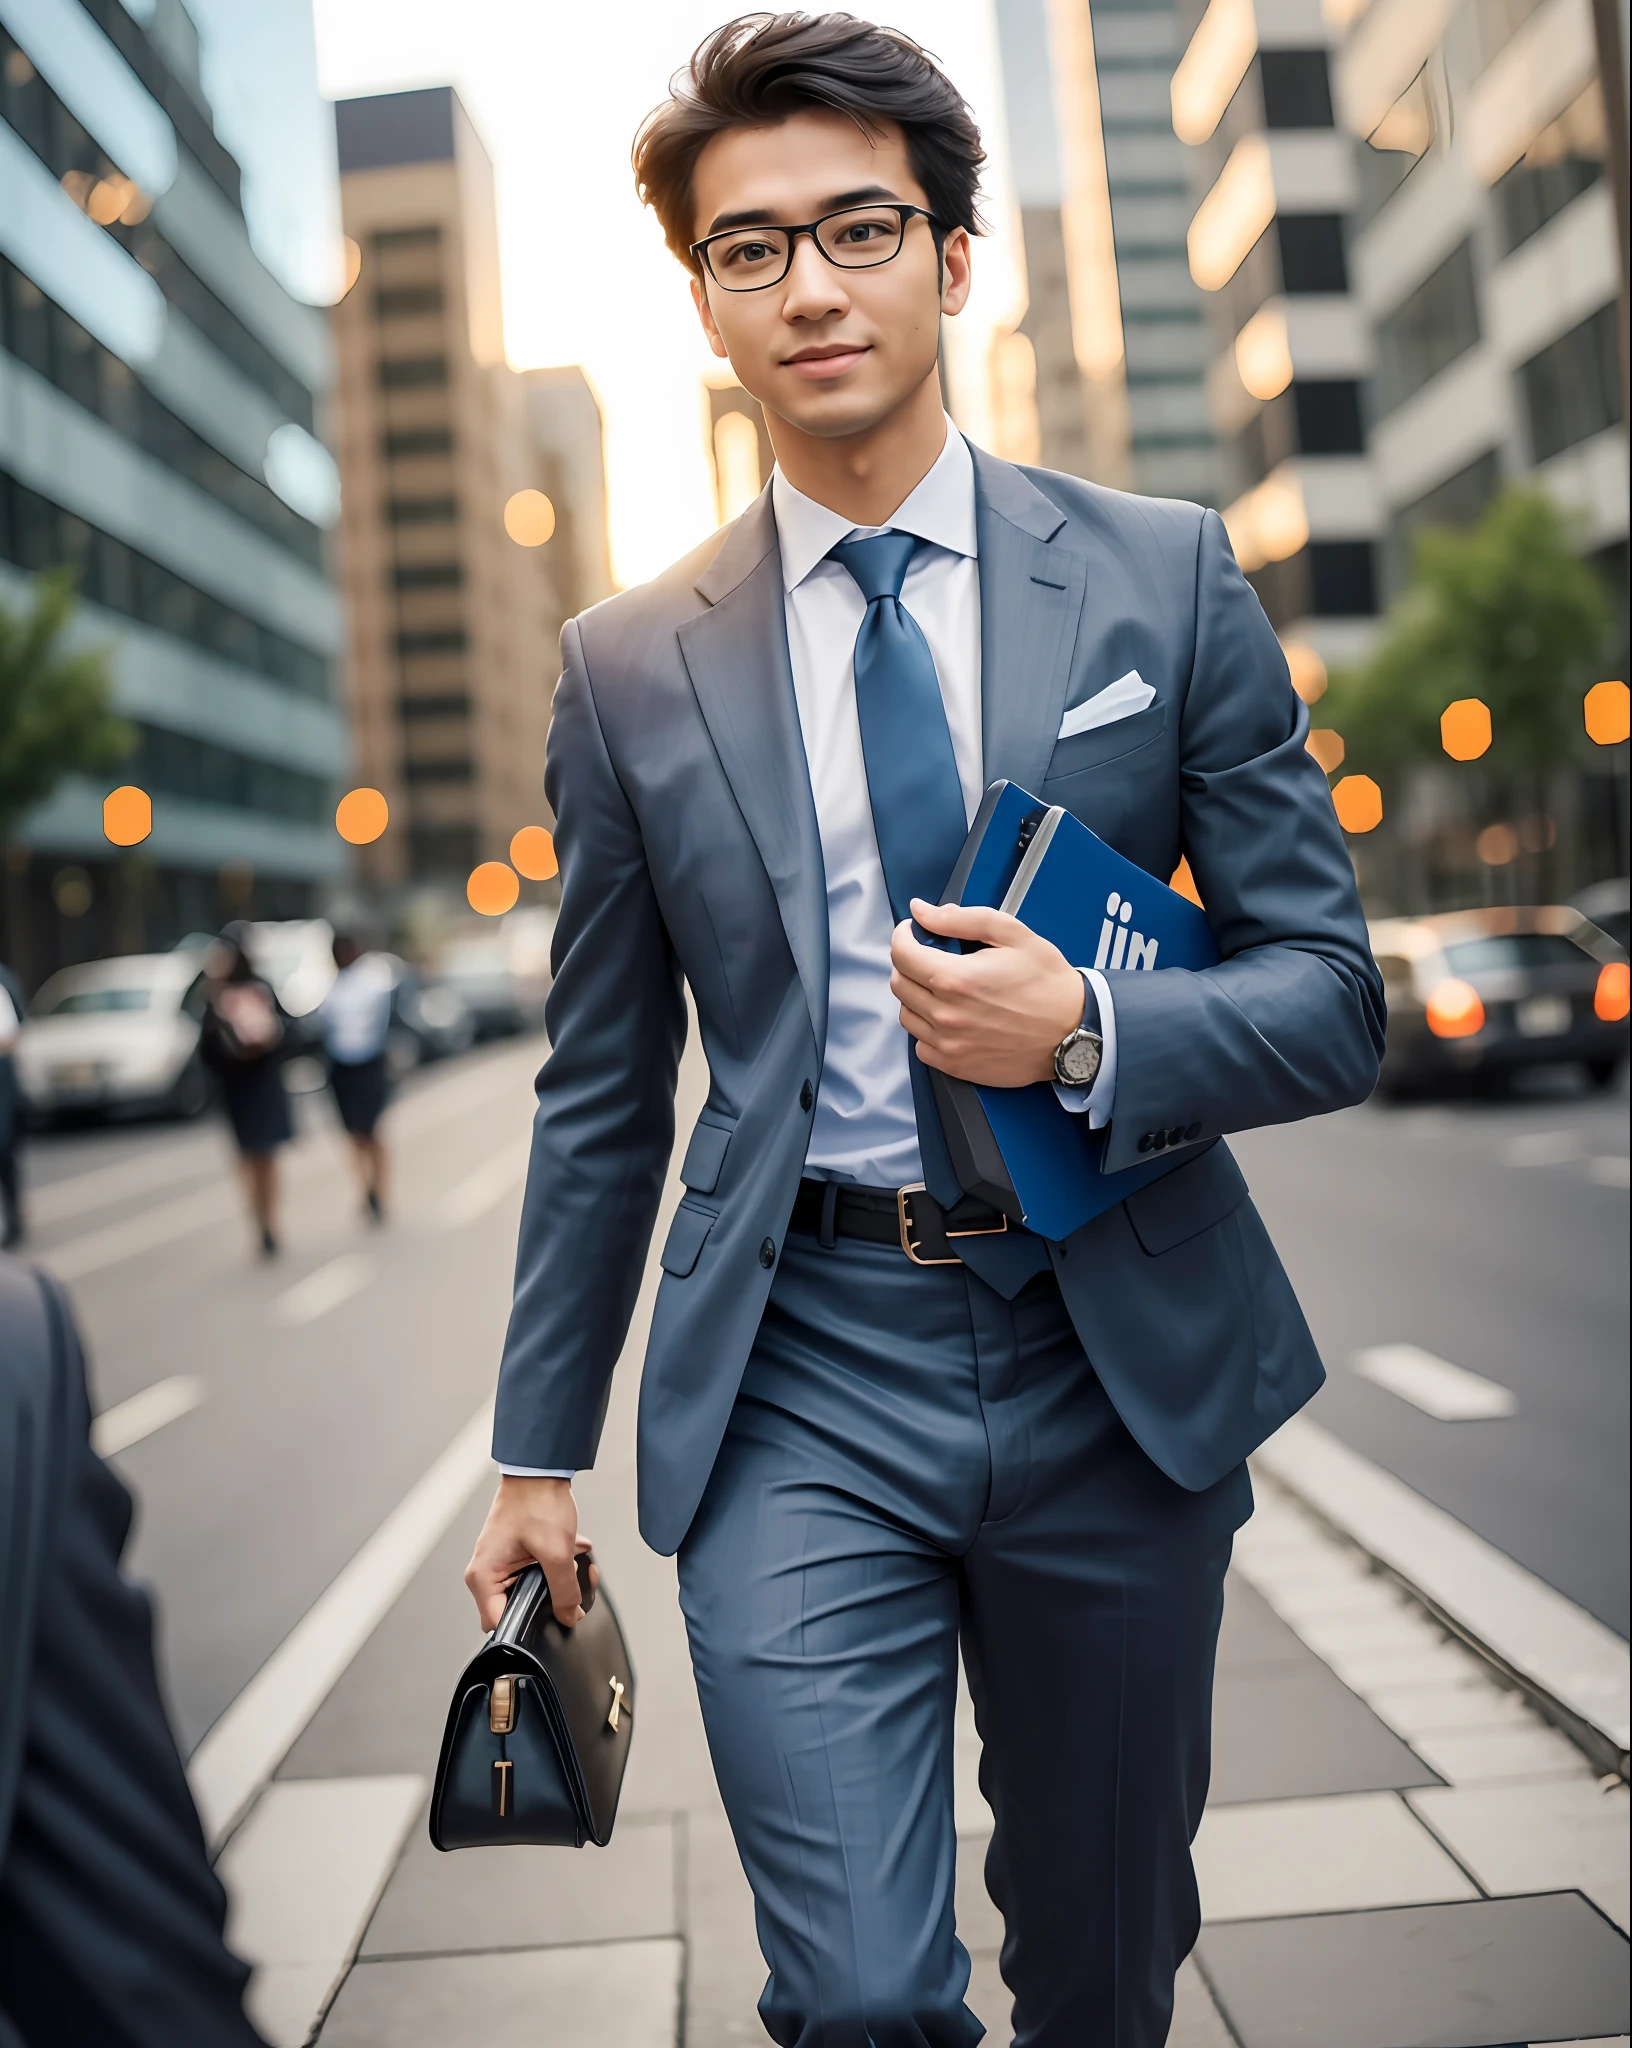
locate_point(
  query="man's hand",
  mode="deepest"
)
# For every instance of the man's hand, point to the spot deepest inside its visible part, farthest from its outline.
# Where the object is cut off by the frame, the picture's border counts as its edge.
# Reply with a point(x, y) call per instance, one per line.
point(530, 1520)
point(995, 1016)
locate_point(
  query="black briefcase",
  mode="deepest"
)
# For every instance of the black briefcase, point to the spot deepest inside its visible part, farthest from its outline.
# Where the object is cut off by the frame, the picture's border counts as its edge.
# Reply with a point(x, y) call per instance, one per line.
point(538, 1732)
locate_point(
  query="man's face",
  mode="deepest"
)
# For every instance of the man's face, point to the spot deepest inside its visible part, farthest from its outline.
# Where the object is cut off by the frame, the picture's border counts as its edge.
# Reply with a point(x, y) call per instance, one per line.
point(832, 351)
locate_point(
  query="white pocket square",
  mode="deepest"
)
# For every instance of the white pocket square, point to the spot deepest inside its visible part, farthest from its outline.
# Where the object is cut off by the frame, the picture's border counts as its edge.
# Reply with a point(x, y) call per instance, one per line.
point(1121, 699)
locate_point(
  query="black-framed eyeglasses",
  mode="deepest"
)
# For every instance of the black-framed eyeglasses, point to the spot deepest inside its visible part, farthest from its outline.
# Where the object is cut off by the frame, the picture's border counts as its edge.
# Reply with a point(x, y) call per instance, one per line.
point(856, 238)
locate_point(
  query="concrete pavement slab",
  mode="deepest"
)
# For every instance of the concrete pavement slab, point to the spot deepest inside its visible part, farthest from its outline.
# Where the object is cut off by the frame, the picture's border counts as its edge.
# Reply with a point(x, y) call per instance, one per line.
point(1485, 1974)
point(1517, 1838)
point(625, 1993)
point(1328, 1855)
point(1297, 1729)
point(1492, 1755)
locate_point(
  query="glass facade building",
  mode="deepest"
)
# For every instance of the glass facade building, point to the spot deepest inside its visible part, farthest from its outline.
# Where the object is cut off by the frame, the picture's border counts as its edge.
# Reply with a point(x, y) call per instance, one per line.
point(161, 400)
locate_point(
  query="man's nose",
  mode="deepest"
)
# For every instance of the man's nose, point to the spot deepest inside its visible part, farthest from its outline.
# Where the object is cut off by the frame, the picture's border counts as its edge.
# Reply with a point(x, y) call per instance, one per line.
point(813, 286)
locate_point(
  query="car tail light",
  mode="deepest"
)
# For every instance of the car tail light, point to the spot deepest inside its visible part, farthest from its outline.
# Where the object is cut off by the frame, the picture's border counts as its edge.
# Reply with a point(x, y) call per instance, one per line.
point(1613, 996)
point(1455, 1011)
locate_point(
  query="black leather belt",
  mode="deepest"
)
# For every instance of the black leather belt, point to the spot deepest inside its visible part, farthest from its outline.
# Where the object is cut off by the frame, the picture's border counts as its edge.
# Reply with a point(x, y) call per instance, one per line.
point(909, 1218)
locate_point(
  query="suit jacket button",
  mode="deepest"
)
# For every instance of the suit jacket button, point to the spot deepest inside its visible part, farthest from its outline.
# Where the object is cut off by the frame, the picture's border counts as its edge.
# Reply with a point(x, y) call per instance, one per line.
point(1146, 1142)
point(1192, 1133)
point(767, 1253)
point(807, 1095)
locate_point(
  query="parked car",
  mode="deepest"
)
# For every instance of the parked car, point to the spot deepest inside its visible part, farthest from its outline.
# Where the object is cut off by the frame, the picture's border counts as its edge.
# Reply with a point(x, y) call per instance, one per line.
point(1608, 905)
point(502, 995)
point(1486, 992)
point(429, 1020)
point(115, 1038)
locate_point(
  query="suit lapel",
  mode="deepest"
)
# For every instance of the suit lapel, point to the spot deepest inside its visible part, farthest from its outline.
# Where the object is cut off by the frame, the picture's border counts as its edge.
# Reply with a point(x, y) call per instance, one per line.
point(736, 654)
point(1033, 581)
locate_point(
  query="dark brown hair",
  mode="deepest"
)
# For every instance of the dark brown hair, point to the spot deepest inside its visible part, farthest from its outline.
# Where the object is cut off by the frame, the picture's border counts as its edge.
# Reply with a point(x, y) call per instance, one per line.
point(761, 68)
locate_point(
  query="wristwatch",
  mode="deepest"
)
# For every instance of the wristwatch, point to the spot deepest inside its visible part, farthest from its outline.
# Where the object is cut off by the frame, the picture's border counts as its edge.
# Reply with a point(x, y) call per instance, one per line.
point(1078, 1054)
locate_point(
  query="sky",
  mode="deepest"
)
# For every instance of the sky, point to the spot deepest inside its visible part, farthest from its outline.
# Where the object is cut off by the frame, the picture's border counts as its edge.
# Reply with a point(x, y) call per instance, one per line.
point(556, 89)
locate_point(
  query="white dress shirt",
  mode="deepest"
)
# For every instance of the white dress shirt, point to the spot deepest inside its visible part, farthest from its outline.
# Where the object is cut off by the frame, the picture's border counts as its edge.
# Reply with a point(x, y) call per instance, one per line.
point(865, 1128)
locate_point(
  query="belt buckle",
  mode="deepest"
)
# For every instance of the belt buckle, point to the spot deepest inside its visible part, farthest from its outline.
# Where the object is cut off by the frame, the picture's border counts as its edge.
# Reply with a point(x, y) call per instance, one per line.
point(909, 1241)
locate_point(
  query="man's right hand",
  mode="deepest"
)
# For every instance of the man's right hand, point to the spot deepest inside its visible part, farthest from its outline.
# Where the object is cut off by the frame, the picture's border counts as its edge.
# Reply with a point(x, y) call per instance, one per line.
point(531, 1520)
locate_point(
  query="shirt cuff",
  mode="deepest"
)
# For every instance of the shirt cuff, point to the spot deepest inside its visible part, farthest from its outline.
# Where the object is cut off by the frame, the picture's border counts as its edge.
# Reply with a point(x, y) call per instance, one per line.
point(535, 1472)
point(1100, 1100)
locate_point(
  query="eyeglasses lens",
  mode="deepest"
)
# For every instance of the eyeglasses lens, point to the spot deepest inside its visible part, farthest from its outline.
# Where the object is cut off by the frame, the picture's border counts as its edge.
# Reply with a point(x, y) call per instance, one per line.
point(857, 239)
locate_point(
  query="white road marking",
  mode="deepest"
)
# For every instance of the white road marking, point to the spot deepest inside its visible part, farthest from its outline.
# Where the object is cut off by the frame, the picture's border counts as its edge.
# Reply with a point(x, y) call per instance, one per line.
point(1558, 1647)
point(323, 1290)
point(1449, 1393)
point(303, 1875)
point(1543, 1148)
point(127, 1422)
point(480, 1191)
point(1613, 1170)
point(79, 1193)
point(253, 1736)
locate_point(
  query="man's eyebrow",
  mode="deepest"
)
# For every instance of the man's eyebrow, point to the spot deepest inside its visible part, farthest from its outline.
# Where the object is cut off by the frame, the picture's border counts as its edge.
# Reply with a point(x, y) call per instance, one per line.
point(762, 217)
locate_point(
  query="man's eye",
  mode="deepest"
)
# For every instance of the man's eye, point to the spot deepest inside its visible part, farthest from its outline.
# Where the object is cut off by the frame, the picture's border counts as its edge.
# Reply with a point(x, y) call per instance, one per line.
point(748, 253)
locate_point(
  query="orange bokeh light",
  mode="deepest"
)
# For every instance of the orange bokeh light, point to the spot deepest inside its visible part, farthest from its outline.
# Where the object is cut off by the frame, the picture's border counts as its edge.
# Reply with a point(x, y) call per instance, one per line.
point(1455, 1011)
point(1497, 845)
point(1607, 710)
point(1358, 803)
point(1327, 747)
point(532, 853)
point(1612, 998)
point(127, 815)
point(492, 888)
point(361, 816)
point(1464, 729)
point(529, 518)
point(1183, 883)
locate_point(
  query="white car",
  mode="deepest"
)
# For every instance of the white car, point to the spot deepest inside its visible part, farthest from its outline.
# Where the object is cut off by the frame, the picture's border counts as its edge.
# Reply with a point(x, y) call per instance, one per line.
point(116, 1038)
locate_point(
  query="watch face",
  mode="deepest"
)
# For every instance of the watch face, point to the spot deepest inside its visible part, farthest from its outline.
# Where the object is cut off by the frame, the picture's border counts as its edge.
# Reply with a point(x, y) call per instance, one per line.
point(1078, 1059)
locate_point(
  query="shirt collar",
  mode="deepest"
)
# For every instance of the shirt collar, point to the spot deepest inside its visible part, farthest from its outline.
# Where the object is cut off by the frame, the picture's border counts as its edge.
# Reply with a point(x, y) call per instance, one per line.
point(941, 509)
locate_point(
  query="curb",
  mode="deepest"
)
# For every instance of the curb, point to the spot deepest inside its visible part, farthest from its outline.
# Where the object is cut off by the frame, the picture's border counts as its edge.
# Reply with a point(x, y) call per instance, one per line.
point(1576, 1672)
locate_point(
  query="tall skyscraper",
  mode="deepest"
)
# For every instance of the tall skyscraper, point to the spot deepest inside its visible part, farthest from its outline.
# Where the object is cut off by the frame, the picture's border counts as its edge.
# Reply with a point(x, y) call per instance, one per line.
point(161, 395)
point(455, 565)
point(1115, 324)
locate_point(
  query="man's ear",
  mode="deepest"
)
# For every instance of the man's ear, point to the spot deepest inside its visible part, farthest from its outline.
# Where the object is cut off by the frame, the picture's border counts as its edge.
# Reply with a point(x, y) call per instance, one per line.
point(957, 271)
point(705, 313)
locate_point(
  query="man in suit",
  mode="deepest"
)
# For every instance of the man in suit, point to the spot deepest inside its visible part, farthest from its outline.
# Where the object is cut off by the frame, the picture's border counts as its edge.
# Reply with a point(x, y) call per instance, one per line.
point(761, 765)
point(110, 1916)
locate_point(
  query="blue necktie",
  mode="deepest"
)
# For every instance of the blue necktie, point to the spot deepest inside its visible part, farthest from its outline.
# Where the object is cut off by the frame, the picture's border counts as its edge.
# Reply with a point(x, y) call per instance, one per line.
point(912, 774)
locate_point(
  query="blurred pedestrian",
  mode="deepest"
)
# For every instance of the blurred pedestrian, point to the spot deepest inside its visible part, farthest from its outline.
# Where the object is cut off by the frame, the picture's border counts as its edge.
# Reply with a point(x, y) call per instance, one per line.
point(243, 1039)
point(355, 1018)
point(110, 1916)
point(12, 1011)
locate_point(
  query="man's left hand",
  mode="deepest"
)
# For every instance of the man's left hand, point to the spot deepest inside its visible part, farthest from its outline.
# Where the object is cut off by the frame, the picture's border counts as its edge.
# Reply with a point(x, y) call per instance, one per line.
point(994, 1016)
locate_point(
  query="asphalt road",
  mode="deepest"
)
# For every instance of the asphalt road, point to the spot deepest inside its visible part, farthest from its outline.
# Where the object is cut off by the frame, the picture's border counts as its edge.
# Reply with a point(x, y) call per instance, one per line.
point(332, 1377)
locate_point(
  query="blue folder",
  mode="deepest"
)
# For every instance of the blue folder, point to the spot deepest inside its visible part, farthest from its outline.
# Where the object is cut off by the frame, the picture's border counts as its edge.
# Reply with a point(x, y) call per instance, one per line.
point(1017, 1148)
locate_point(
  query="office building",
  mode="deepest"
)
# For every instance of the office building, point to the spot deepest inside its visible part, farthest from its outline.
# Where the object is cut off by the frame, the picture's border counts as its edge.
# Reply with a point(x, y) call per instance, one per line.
point(456, 567)
point(161, 402)
point(1485, 259)
point(571, 438)
point(1115, 325)
point(1277, 185)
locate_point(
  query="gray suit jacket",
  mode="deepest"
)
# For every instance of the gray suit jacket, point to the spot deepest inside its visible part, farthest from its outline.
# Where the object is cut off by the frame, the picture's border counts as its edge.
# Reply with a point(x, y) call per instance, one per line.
point(689, 851)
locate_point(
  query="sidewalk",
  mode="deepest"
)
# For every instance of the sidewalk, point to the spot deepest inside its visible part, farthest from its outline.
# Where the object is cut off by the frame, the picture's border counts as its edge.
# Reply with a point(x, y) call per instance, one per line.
point(1398, 1852)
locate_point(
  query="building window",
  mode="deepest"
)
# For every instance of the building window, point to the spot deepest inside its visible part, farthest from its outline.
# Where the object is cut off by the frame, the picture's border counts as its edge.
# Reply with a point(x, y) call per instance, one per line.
point(1329, 421)
point(39, 333)
point(1458, 501)
point(435, 851)
point(1296, 87)
point(1312, 258)
point(449, 704)
point(428, 576)
point(388, 239)
point(413, 373)
point(1428, 330)
point(407, 301)
point(178, 764)
point(439, 640)
point(455, 769)
point(35, 534)
point(420, 511)
point(1572, 390)
point(1342, 579)
point(1565, 159)
point(417, 441)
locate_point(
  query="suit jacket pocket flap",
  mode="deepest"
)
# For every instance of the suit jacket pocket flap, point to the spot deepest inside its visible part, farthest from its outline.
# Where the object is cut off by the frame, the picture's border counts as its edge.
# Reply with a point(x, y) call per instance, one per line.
point(1103, 744)
point(705, 1155)
point(687, 1235)
point(1187, 1201)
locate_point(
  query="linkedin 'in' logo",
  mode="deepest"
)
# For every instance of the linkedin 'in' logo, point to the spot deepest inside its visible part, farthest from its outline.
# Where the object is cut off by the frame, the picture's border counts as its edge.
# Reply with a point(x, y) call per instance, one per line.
point(1118, 945)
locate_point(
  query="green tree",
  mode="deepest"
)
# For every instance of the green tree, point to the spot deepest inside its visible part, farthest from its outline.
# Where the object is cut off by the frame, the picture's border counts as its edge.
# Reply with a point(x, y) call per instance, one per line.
point(1506, 611)
point(55, 717)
